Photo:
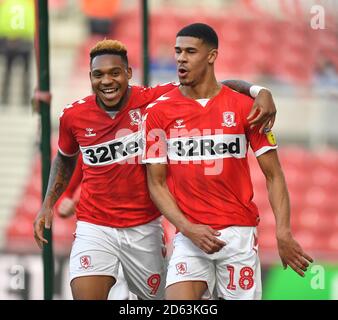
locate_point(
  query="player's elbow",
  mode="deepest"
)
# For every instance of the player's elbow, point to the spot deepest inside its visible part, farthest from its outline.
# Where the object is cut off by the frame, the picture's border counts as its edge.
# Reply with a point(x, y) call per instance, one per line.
point(274, 177)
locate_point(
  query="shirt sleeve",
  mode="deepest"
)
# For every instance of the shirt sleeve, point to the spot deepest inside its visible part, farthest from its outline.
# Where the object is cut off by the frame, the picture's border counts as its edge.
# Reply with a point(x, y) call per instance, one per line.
point(76, 179)
point(152, 93)
point(154, 138)
point(68, 146)
point(259, 142)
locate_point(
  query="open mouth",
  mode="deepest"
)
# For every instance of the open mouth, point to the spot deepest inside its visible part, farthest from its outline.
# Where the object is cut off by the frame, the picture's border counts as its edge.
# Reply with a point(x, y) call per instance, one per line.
point(182, 72)
point(110, 93)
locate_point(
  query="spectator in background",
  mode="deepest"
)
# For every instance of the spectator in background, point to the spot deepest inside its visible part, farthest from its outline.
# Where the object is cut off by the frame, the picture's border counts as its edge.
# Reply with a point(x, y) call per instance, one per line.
point(16, 34)
point(326, 75)
point(323, 115)
point(100, 15)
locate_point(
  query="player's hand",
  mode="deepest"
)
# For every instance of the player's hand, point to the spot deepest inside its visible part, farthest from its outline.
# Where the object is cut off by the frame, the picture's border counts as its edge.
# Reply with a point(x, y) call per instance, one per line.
point(204, 237)
point(263, 111)
point(66, 207)
point(292, 254)
point(43, 220)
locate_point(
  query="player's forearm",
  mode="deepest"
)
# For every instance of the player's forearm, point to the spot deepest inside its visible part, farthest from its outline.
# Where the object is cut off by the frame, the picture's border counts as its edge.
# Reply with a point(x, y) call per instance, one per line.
point(280, 203)
point(60, 175)
point(75, 180)
point(239, 86)
point(166, 204)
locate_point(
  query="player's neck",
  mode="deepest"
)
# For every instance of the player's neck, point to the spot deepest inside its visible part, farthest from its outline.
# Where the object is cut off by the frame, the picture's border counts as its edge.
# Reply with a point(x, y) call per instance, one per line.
point(205, 89)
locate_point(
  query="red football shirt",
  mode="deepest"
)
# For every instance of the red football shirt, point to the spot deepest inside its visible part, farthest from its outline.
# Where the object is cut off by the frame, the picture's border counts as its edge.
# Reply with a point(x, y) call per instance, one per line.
point(113, 190)
point(205, 144)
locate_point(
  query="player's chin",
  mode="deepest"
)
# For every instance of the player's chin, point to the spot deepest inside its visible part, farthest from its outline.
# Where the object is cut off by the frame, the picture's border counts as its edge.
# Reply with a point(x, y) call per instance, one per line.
point(185, 81)
point(110, 103)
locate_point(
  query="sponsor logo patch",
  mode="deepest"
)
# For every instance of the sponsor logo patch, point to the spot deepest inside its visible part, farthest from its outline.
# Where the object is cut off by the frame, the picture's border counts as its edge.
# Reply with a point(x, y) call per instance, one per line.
point(207, 147)
point(113, 151)
point(90, 133)
point(271, 138)
point(179, 124)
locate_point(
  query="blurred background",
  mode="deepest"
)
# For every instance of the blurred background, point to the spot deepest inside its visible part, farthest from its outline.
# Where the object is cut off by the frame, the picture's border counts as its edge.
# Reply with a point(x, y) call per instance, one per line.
point(289, 46)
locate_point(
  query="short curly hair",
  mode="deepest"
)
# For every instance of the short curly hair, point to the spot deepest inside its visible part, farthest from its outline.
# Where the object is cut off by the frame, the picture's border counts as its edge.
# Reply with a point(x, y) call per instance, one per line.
point(108, 46)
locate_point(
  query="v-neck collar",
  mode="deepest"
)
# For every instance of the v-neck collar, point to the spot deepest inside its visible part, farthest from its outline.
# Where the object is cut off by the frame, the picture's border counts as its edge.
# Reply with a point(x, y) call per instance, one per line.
point(203, 102)
point(207, 101)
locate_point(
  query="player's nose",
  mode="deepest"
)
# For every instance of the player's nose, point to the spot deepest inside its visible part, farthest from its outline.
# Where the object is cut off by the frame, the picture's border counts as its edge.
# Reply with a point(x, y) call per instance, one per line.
point(107, 79)
point(181, 57)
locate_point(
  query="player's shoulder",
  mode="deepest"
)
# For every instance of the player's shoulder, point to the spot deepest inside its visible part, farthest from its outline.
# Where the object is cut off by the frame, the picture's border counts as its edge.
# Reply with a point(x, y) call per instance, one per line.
point(83, 102)
point(238, 100)
point(78, 105)
point(237, 96)
point(168, 86)
point(165, 101)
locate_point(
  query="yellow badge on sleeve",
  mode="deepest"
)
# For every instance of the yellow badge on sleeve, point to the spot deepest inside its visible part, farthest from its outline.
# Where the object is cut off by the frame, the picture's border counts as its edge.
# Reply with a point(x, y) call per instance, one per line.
point(271, 138)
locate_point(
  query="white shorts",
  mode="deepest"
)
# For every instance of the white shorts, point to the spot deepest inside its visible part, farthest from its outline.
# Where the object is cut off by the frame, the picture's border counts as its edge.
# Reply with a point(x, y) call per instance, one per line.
point(99, 250)
point(232, 273)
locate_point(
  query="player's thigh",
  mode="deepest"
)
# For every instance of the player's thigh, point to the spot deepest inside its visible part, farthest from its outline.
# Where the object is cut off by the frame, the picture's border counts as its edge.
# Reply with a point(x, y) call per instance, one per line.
point(120, 290)
point(92, 287)
point(238, 276)
point(186, 290)
point(93, 255)
point(143, 260)
point(191, 270)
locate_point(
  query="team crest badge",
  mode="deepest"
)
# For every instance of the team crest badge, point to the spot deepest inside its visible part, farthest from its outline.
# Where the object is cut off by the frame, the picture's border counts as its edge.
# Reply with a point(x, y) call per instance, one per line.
point(85, 261)
point(135, 116)
point(181, 268)
point(229, 119)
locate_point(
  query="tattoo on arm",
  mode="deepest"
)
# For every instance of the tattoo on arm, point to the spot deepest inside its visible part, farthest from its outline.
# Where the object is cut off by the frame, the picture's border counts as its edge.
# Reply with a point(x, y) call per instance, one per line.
point(60, 175)
point(239, 86)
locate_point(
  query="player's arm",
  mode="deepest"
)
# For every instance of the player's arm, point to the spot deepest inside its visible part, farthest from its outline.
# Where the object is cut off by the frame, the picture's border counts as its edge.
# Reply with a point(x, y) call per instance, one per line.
point(290, 251)
point(66, 204)
point(263, 111)
point(60, 175)
point(201, 235)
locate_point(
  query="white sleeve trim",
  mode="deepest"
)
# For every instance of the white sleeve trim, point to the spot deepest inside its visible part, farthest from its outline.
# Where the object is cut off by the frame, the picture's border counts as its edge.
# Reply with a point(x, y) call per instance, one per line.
point(260, 151)
point(155, 160)
point(67, 154)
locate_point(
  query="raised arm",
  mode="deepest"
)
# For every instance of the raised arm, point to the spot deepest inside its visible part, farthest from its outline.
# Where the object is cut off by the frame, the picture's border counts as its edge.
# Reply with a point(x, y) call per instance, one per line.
point(290, 251)
point(61, 172)
point(201, 235)
point(263, 112)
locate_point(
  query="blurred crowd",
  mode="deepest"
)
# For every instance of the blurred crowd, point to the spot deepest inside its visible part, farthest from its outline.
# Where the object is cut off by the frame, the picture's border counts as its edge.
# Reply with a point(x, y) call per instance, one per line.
point(16, 47)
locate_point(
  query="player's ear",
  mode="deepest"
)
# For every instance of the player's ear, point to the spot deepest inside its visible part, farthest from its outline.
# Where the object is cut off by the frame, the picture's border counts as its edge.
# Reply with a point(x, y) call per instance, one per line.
point(213, 53)
point(129, 73)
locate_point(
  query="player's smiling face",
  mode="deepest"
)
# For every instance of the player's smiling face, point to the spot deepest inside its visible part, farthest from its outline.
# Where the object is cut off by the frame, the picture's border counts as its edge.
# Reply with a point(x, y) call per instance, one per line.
point(193, 59)
point(109, 77)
